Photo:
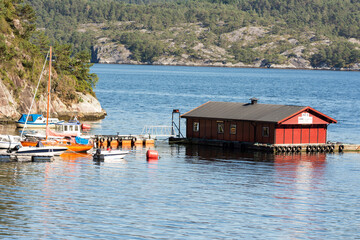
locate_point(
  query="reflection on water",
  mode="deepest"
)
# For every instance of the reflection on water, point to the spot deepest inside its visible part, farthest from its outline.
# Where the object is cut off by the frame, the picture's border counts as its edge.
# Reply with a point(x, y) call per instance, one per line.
point(190, 191)
point(74, 156)
point(299, 195)
point(9, 129)
point(217, 153)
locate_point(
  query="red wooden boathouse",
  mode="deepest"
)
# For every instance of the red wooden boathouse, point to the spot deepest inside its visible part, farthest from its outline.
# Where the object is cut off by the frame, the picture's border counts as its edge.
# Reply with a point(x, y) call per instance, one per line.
point(257, 123)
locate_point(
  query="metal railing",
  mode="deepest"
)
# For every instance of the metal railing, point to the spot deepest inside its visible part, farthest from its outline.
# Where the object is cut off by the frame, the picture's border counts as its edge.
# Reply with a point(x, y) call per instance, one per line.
point(158, 131)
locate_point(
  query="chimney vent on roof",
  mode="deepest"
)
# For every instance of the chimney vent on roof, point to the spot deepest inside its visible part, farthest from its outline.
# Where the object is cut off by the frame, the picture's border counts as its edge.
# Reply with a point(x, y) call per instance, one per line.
point(254, 100)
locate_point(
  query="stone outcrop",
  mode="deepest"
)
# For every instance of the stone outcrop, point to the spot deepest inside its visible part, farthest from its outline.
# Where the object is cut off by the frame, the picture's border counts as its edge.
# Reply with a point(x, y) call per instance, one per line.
point(8, 105)
point(88, 108)
point(110, 52)
point(11, 108)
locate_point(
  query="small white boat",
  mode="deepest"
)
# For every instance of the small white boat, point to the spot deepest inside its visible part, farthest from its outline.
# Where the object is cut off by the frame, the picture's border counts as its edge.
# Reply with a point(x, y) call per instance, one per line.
point(40, 150)
point(9, 141)
point(103, 155)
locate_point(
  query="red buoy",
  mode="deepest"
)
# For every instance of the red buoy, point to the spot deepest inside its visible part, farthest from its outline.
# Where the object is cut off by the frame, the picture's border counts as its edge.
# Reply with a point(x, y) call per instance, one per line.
point(152, 155)
point(85, 126)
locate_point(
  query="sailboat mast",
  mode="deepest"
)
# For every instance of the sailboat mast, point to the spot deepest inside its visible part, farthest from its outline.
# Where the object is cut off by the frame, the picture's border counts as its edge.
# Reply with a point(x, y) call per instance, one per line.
point(48, 99)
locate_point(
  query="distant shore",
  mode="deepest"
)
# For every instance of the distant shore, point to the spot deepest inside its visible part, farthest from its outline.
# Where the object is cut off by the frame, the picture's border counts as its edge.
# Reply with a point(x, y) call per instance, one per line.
point(230, 66)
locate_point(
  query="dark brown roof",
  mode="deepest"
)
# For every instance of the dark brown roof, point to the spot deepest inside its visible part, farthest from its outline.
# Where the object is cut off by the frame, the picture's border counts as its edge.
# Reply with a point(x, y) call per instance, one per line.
point(243, 111)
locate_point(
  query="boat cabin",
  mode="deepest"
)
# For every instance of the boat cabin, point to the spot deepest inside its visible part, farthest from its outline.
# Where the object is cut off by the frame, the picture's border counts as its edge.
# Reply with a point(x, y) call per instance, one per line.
point(36, 121)
point(71, 127)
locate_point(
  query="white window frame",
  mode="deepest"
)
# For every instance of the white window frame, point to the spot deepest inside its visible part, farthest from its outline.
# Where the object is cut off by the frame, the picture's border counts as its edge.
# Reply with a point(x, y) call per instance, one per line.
point(265, 131)
point(196, 126)
point(220, 128)
point(233, 126)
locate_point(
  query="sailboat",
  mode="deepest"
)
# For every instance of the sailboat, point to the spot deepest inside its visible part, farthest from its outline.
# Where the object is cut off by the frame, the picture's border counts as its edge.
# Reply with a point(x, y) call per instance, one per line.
point(75, 144)
point(71, 143)
point(39, 147)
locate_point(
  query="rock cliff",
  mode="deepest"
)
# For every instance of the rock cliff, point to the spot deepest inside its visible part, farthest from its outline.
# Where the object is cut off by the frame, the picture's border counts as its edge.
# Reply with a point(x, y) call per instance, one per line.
point(11, 107)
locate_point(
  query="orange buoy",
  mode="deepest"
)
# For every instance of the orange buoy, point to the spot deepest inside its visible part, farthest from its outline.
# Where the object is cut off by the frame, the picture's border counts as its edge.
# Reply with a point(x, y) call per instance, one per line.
point(85, 126)
point(114, 144)
point(126, 143)
point(152, 155)
point(138, 142)
point(149, 143)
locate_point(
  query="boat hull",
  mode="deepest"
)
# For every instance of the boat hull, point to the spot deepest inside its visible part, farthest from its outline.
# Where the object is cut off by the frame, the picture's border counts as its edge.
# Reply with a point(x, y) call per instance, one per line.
point(6, 145)
point(70, 147)
point(41, 151)
point(101, 156)
point(79, 148)
point(34, 125)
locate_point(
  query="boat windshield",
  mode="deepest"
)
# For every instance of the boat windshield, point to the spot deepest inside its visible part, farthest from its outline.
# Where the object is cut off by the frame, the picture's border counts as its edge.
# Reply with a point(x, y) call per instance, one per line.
point(39, 144)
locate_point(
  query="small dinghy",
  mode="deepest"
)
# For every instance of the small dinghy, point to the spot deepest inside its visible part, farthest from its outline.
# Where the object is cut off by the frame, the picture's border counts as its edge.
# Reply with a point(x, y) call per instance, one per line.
point(103, 155)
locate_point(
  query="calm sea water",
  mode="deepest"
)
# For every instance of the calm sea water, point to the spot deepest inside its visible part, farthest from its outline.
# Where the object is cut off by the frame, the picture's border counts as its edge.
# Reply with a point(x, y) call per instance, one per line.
point(194, 192)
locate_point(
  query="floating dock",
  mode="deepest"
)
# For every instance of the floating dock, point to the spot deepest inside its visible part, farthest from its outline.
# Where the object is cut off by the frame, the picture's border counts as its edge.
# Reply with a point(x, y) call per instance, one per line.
point(13, 157)
point(123, 141)
point(275, 148)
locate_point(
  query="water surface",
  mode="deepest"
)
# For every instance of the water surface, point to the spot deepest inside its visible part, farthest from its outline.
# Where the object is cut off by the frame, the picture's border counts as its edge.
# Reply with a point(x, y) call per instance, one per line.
point(194, 192)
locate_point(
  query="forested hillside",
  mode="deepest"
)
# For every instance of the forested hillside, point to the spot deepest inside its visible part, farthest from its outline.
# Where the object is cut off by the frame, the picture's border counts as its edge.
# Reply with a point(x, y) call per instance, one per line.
point(324, 33)
point(22, 54)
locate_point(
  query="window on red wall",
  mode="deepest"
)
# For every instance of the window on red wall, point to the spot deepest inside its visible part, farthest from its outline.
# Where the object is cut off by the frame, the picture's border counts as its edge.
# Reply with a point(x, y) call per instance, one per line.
point(196, 126)
point(233, 129)
point(265, 132)
point(220, 127)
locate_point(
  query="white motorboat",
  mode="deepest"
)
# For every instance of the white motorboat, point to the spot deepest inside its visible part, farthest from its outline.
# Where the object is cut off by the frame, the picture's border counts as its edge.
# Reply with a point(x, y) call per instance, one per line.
point(36, 121)
point(9, 141)
point(103, 155)
point(40, 150)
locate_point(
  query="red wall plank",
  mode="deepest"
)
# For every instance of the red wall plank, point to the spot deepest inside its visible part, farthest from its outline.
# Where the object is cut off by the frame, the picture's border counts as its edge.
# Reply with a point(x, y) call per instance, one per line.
point(189, 123)
point(246, 132)
point(238, 130)
point(202, 128)
point(213, 129)
point(288, 135)
point(227, 130)
point(251, 132)
point(313, 134)
point(305, 134)
point(279, 138)
point(322, 134)
point(296, 135)
point(208, 129)
point(272, 134)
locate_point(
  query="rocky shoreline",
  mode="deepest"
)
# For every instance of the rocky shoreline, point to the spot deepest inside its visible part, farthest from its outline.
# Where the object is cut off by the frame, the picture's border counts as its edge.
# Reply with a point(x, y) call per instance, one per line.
point(274, 66)
point(117, 54)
